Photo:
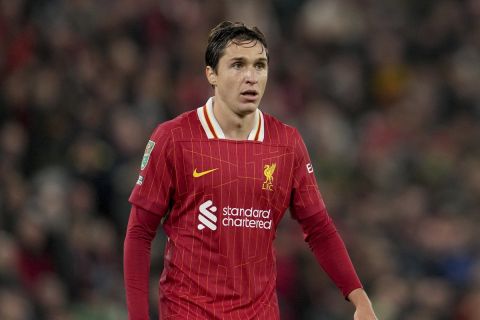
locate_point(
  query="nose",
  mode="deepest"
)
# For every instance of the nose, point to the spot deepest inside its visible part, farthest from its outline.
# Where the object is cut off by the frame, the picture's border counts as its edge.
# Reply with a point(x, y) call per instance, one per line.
point(251, 76)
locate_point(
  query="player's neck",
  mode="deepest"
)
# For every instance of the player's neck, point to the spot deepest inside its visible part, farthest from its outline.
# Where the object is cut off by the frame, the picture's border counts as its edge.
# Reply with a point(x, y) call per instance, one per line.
point(234, 126)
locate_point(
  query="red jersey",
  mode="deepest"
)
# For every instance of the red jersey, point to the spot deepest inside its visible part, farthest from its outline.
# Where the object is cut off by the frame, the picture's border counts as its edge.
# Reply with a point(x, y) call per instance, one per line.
point(221, 201)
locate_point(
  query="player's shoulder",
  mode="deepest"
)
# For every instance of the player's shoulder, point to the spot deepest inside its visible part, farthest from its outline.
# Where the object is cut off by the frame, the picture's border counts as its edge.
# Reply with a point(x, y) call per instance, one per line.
point(175, 127)
point(280, 132)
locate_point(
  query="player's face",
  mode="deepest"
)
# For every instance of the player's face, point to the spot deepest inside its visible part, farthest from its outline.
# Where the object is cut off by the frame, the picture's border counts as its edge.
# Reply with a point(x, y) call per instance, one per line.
point(241, 77)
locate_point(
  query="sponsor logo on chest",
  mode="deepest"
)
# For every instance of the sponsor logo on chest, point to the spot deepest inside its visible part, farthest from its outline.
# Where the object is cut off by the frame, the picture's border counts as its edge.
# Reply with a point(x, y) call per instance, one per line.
point(233, 217)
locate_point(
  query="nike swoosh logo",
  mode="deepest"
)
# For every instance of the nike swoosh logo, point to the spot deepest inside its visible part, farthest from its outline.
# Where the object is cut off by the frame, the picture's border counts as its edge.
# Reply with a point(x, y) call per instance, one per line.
point(202, 173)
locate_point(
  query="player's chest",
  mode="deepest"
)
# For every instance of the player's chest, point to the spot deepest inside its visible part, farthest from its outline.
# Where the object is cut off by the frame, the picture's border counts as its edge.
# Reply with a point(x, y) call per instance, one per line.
point(229, 168)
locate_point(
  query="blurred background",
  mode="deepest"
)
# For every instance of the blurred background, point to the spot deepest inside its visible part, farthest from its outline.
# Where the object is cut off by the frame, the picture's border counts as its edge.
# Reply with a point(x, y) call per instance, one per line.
point(385, 93)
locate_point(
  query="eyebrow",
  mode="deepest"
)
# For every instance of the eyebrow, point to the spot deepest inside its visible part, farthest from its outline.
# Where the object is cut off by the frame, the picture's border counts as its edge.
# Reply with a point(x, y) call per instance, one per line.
point(234, 59)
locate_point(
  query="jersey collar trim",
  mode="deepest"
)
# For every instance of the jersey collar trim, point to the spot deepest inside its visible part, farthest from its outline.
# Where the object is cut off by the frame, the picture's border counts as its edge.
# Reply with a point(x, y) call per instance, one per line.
point(213, 130)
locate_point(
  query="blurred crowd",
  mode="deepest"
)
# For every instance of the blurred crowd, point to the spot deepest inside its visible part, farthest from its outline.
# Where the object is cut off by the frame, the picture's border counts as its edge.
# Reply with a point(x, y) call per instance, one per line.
point(385, 94)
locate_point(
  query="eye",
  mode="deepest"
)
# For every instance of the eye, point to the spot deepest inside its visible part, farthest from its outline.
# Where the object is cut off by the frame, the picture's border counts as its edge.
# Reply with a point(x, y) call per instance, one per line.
point(237, 65)
point(260, 66)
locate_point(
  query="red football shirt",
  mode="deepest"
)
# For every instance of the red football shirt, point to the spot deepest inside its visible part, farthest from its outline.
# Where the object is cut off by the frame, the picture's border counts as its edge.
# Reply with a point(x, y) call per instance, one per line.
point(221, 201)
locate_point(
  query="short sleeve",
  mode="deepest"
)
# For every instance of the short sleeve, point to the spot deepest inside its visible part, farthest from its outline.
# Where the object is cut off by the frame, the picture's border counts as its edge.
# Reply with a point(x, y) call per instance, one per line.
point(306, 199)
point(154, 187)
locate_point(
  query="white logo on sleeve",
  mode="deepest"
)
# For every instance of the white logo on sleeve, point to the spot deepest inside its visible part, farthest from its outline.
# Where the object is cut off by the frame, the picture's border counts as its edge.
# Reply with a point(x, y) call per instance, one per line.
point(207, 216)
point(309, 168)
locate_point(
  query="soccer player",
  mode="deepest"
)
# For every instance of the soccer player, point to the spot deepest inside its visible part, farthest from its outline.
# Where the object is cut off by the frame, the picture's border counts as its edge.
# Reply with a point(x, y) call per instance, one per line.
point(219, 180)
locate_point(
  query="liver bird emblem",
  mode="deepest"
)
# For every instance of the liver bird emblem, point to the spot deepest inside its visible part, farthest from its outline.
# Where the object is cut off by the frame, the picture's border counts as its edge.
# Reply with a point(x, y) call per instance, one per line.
point(268, 171)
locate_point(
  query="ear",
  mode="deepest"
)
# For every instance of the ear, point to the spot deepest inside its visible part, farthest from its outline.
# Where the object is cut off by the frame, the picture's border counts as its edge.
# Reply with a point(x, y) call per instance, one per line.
point(211, 75)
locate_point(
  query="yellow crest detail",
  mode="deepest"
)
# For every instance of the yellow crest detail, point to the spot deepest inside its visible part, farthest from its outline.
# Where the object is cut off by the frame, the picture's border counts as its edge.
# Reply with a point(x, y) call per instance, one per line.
point(268, 171)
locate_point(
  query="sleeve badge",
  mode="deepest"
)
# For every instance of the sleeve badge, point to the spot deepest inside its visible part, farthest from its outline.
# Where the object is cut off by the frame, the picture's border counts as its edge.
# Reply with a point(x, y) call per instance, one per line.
point(146, 155)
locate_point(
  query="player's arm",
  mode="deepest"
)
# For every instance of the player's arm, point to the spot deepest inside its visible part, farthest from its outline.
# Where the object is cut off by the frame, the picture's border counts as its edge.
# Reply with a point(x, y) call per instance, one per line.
point(320, 233)
point(150, 200)
point(141, 230)
point(330, 252)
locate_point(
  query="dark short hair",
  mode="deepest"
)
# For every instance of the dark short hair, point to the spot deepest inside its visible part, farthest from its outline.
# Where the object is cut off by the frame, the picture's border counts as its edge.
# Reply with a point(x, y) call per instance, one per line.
point(224, 33)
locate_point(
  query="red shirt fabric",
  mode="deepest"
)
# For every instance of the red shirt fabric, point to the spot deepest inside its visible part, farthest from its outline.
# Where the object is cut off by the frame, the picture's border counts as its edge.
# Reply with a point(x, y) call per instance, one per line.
point(220, 202)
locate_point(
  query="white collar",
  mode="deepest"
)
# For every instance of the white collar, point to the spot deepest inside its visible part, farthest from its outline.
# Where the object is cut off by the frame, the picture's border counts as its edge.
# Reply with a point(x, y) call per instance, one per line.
point(214, 131)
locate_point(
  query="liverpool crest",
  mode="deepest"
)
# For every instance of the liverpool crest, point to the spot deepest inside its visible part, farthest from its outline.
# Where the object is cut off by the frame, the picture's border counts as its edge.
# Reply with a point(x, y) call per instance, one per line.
point(268, 171)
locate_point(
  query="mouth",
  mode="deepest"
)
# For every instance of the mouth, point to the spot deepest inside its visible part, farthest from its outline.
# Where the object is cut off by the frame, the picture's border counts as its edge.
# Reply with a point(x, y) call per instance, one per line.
point(249, 94)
